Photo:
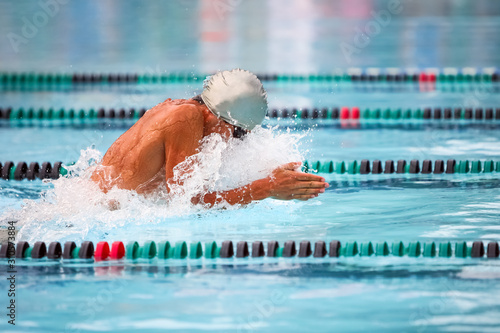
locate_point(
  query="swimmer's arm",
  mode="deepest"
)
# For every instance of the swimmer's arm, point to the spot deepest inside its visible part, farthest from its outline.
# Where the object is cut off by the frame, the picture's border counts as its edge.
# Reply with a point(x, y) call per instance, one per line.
point(257, 190)
point(285, 183)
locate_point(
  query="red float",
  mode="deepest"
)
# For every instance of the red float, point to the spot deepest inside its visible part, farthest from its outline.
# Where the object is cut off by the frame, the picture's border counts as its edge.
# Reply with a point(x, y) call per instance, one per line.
point(344, 113)
point(101, 251)
point(117, 251)
point(355, 113)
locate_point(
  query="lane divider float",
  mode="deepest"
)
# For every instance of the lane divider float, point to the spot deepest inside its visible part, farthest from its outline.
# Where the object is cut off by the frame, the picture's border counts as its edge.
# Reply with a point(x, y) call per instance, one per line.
point(427, 113)
point(335, 113)
point(365, 167)
point(370, 75)
point(31, 171)
point(8, 113)
point(46, 170)
point(227, 249)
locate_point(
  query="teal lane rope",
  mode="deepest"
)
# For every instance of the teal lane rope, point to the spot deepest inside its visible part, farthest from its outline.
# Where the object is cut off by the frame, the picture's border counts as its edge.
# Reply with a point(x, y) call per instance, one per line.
point(21, 114)
point(446, 75)
point(181, 250)
point(46, 170)
point(335, 113)
point(365, 167)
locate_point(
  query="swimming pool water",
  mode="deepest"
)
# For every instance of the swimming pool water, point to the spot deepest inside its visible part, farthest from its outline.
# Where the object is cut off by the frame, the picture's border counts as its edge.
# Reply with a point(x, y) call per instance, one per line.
point(387, 294)
point(391, 296)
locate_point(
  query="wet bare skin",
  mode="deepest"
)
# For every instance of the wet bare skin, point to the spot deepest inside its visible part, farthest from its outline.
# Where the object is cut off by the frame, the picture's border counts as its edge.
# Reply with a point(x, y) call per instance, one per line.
point(144, 157)
point(135, 160)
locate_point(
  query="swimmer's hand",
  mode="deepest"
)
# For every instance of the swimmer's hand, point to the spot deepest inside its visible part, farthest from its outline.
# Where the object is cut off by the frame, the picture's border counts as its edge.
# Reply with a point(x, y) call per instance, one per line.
point(286, 183)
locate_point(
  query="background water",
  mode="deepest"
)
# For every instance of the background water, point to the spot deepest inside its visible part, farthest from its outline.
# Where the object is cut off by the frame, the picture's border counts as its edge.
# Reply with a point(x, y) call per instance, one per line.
point(262, 36)
point(348, 294)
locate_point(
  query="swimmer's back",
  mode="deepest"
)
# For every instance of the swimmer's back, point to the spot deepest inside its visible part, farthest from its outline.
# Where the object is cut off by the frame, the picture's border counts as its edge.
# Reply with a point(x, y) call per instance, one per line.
point(138, 155)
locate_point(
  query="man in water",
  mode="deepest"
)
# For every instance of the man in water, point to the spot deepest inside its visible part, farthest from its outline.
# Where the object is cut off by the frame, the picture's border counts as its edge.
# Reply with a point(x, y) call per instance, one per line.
point(232, 103)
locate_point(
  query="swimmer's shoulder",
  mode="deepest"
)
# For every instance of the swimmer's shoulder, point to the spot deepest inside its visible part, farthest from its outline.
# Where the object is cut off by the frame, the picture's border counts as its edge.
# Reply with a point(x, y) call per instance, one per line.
point(177, 118)
point(176, 109)
point(168, 115)
point(185, 112)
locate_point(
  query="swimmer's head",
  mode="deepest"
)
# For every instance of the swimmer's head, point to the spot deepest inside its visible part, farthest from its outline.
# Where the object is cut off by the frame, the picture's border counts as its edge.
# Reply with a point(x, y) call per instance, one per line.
point(238, 132)
point(237, 97)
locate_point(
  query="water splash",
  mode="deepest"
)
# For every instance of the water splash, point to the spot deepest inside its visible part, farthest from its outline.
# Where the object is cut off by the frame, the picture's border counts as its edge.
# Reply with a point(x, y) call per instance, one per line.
point(75, 208)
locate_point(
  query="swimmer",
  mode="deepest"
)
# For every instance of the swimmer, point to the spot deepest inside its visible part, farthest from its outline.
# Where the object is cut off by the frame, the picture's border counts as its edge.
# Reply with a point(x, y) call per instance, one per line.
point(231, 104)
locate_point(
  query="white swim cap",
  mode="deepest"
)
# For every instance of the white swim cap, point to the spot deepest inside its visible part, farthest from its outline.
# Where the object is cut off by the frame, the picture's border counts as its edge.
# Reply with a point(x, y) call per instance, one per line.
point(237, 96)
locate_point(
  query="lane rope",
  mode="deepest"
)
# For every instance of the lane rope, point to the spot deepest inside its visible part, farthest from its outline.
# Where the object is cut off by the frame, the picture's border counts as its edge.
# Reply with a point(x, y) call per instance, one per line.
point(371, 75)
point(335, 113)
point(165, 250)
point(47, 170)
point(365, 167)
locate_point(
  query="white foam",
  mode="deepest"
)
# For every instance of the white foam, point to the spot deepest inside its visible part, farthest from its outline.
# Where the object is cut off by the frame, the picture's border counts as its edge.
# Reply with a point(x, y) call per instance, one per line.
point(75, 208)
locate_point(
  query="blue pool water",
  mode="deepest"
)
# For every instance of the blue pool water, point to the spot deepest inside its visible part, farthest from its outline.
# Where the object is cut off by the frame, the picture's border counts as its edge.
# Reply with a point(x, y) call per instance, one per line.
point(388, 294)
